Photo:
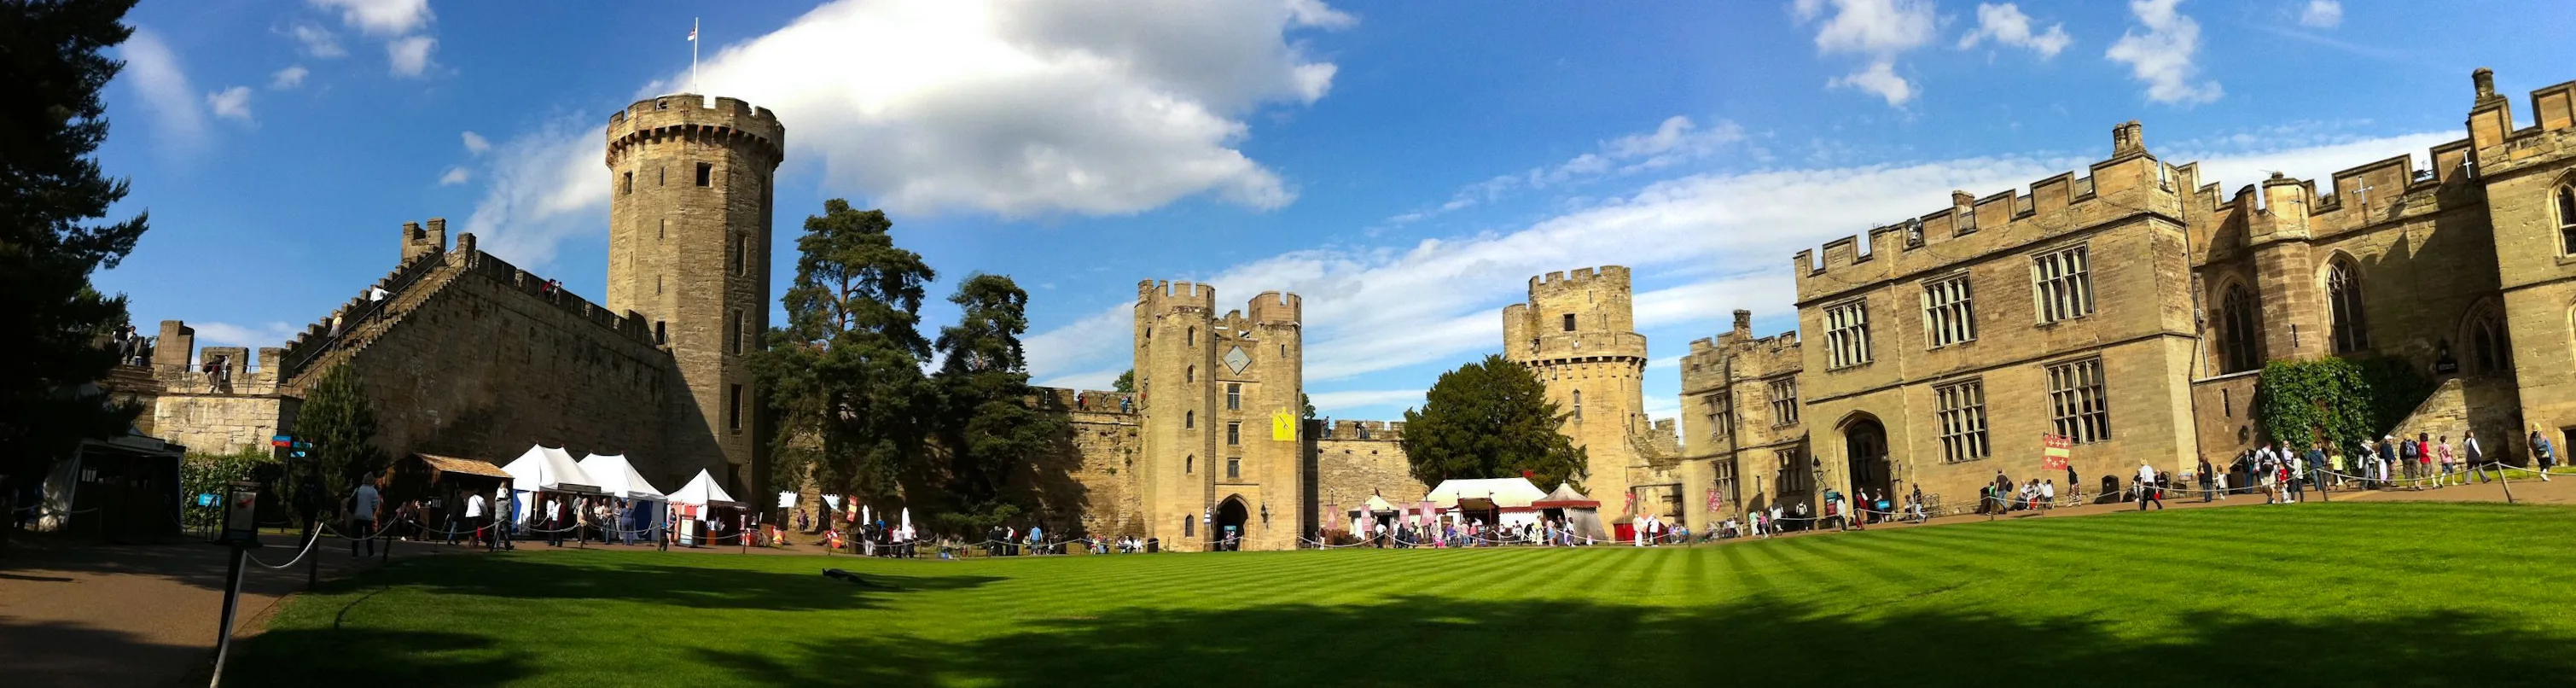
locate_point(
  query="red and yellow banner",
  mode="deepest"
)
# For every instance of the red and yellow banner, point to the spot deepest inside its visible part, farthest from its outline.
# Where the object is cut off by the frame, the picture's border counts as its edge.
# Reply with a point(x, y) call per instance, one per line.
point(2054, 450)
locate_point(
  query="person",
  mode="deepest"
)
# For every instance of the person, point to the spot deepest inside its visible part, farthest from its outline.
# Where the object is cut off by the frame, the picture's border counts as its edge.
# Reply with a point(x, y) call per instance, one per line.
point(473, 519)
point(2147, 489)
point(2442, 451)
point(2472, 455)
point(505, 517)
point(2543, 452)
point(2048, 494)
point(2208, 489)
point(1802, 520)
point(363, 505)
point(2387, 456)
point(2334, 457)
point(662, 536)
point(2410, 456)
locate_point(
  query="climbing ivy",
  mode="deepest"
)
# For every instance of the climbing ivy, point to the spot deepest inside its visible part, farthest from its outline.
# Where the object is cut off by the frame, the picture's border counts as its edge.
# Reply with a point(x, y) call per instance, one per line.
point(2339, 400)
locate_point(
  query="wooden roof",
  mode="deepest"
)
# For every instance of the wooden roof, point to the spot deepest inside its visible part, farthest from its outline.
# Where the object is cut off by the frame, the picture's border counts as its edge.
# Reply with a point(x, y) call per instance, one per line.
point(450, 464)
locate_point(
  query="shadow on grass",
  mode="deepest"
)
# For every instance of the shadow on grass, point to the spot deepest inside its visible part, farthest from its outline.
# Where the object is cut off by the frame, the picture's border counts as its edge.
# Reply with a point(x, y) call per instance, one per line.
point(632, 580)
point(348, 656)
point(46, 653)
point(1440, 641)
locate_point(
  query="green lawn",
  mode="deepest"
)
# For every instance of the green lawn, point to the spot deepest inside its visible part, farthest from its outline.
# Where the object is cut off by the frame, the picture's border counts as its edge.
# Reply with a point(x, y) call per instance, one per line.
point(2318, 594)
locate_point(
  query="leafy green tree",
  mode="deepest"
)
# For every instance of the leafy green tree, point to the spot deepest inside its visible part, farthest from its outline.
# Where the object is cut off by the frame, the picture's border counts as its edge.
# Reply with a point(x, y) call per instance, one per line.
point(341, 423)
point(846, 368)
point(1489, 419)
point(1307, 404)
point(1126, 382)
point(53, 325)
point(214, 474)
point(989, 427)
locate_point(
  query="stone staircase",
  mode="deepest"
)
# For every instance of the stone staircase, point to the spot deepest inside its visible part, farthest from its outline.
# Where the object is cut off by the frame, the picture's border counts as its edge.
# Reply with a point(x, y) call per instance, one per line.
point(423, 281)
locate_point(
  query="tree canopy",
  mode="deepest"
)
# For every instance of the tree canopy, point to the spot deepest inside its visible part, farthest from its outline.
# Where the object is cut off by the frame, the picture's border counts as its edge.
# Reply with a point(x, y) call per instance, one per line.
point(1489, 419)
point(846, 368)
point(989, 428)
point(341, 423)
point(53, 325)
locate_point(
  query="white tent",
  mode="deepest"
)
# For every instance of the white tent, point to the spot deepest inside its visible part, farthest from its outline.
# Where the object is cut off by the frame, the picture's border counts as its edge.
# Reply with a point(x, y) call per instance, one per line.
point(702, 491)
point(617, 477)
point(549, 469)
point(1506, 492)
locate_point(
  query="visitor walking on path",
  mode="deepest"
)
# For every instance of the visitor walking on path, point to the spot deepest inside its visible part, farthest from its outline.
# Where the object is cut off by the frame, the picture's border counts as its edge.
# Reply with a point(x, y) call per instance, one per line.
point(363, 504)
point(2450, 466)
point(2476, 457)
point(2545, 454)
point(2147, 488)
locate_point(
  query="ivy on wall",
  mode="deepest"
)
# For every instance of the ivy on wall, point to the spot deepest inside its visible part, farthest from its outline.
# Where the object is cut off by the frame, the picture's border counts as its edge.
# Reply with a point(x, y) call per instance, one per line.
point(2338, 400)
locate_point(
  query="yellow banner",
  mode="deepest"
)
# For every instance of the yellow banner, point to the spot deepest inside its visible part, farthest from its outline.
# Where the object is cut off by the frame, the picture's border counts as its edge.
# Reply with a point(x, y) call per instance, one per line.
point(1283, 426)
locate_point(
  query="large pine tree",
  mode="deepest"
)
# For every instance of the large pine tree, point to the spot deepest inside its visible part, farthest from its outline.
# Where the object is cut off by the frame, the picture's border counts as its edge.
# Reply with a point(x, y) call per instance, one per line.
point(988, 428)
point(845, 371)
point(53, 325)
point(1489, 419)
point(340, 422)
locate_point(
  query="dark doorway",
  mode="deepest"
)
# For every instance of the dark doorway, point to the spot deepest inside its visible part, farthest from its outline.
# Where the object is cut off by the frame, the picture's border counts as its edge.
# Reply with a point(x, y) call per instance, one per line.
point(1865, 446)
point(1230, 520)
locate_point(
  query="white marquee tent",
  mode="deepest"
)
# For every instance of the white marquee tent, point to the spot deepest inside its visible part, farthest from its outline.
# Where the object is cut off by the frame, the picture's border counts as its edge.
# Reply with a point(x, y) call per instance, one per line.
point(703, 491)
point(618, 478)
point(1507, 493)
point(546, 469)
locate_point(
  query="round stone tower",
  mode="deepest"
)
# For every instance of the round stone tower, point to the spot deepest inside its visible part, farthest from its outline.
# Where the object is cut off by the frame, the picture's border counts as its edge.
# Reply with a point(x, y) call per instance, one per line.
point(688, 256)
point(1578, 334)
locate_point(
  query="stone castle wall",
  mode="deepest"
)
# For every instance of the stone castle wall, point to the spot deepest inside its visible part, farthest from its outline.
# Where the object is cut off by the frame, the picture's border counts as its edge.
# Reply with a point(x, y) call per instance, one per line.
point(1355, 459)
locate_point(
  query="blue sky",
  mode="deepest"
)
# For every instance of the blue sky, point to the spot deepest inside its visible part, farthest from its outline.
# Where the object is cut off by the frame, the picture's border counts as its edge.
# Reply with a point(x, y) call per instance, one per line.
point(1406, 167)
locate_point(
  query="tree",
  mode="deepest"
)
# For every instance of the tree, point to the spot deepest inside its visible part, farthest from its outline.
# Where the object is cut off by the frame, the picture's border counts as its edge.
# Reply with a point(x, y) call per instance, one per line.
point(1489, 419)
point(845, 370)
point(989, 428)
point(53, 325)
point(1126, 382)
point(340, 422)
point(1307, 404)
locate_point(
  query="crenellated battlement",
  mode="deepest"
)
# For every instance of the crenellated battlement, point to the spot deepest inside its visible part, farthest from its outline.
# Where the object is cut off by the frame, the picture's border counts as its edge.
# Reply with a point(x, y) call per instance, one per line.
point(725, 121)
point(1082, 400)
point(1278, 308)
point(1160, 296)
point(1578, 278)
point(2501, 149)
point(1363, 430)
point(2132, 181)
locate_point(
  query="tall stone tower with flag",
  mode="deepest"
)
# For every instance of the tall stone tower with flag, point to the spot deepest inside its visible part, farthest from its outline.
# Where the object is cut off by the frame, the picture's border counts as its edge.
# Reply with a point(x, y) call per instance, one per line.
point(1220, 402)
point(691, 182)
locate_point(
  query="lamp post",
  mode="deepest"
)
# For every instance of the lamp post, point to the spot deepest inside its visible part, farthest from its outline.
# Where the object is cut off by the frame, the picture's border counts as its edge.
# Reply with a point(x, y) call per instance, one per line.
point(1816, 487)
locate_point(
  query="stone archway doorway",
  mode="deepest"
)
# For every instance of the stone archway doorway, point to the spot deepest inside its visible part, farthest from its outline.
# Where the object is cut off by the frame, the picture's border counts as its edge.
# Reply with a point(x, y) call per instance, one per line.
point(1231, 518)
point(1865, 452)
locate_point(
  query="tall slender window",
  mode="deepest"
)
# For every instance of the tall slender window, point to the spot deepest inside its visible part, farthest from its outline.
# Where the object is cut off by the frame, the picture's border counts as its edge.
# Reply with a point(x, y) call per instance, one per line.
point(733, 408)
point(706, 174)
point(1578, 404)
point(2567, 219)
point(630, 183)
point(1233, 468)
point(1791, 471)
point(1234, 396)
point(2242, 348)
point(2343, 301)
point(1189, 419)
point(733, 333)
point(1961, 412)
point(2487, 350)
point(1720, 415)
point(2062, 284)
point(1948, 318)
point(1234, 433)
point(1846, 335)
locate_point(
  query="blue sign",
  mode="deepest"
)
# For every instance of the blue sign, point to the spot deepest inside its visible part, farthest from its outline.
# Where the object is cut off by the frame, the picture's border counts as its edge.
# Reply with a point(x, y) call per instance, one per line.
point(207, 499)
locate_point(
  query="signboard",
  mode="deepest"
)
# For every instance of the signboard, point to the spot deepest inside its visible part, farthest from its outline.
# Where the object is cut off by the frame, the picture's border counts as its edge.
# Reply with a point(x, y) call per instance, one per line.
point(1712, 500)
point(1283, 426)
point(2054, 451)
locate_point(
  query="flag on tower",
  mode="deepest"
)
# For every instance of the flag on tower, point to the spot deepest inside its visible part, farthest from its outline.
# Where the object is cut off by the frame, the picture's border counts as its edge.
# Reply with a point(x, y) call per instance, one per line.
point(693, 33)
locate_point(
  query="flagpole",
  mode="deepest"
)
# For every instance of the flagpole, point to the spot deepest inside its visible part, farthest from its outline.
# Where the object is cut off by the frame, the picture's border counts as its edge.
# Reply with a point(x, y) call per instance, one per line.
point(693, 56)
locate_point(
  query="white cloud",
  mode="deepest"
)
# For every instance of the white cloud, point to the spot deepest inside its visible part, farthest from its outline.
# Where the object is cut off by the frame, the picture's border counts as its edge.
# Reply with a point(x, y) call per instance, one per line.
point(2162, 57)
point(2006, 25)
point(409, 55)
point(1675, 141)
point(2323, 14)
point(231, 103)
point(253, 336)
point(381, 17)
point(1877, 29)
point(290, 77)
point(1337, 404)
point(544, 186)
point(455, 176)
point(154, 70)
point(317, 41)
point(1313, 13)
point(1730, 238)
point(1879, 79)
point(1009, 108)
point(475, 144)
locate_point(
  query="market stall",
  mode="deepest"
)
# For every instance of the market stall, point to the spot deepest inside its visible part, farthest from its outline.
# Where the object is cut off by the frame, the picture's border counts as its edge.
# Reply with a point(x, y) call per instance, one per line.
point(698, 504)
point(1579, 513)
point(641, 505)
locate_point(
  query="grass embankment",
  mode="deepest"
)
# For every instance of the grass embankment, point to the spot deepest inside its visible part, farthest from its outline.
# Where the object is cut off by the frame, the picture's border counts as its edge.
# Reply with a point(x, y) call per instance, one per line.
point(2318, 594)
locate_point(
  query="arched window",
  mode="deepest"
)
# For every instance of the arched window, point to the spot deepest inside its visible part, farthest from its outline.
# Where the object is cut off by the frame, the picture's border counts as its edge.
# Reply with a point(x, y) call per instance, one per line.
point(1190, 375)
point(1189, 419)
point(2343, 301)
point(2488, 353)
point(2567, 218)
point(1189, 463)
point(2240, 343)
point(1191, 338)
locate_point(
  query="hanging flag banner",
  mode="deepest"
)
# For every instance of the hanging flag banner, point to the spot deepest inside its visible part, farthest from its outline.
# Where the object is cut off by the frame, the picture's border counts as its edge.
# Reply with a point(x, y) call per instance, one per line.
point(786, 499)
point(834, 500)
point(1712, 500)
point(2054, 451)
point(1283, 426)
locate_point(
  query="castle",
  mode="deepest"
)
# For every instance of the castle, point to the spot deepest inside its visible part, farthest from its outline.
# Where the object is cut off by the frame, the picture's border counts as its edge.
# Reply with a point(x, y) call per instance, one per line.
point(2131, 311)
point(464, 354)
